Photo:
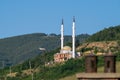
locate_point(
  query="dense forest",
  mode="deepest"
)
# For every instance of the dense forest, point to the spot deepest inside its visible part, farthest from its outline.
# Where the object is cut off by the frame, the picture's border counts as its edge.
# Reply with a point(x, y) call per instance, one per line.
point(108, 34)
point(20, 48)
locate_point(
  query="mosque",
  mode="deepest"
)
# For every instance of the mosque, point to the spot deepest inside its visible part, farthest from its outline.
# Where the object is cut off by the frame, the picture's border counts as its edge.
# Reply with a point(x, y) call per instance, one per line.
point(66, 52)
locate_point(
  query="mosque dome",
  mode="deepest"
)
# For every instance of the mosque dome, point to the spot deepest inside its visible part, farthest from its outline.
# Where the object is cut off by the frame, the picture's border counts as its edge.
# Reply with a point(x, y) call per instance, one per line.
point(68, 48)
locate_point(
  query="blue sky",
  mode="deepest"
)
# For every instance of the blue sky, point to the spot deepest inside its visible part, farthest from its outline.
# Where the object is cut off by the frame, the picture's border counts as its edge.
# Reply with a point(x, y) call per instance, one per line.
point(18, 17)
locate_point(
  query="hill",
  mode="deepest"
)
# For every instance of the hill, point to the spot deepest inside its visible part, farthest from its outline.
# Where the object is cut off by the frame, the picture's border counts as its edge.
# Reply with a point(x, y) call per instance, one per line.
point(52, 72)
point(108, 34)
point(20, 48)
point(68, 68)
point(104, 41)
point(99, 48)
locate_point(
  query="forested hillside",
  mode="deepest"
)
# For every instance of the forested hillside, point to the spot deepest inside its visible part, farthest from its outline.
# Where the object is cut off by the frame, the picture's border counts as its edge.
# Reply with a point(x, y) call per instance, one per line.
point(18, 49)
point(48, 72)
point(108, 34)
point(40, 68)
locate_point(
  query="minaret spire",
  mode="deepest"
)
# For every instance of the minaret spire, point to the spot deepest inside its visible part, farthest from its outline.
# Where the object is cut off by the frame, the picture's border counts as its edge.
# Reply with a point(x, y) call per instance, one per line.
point(62, 34)
point(73, 38)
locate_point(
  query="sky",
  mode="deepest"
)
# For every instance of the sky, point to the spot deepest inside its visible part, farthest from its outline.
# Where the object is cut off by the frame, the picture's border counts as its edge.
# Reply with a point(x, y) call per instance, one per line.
point(18, 17)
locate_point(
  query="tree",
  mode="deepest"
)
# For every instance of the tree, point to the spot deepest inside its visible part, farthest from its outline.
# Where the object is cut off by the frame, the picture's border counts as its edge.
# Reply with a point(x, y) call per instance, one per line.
point(77, 43)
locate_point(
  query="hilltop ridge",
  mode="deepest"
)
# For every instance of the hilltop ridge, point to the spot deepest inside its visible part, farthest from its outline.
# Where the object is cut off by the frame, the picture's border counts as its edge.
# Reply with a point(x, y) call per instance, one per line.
point(107, 34)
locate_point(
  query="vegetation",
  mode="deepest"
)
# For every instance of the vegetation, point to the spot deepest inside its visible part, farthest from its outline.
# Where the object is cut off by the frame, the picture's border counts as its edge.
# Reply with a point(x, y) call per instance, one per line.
point(55, 71)
point(50, 72)
point(17, 49)
point(108, 34)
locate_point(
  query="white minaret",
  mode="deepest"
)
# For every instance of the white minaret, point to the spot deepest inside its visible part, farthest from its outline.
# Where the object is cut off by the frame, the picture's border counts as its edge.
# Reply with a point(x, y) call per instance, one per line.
point(62, 34)
point(73, 38)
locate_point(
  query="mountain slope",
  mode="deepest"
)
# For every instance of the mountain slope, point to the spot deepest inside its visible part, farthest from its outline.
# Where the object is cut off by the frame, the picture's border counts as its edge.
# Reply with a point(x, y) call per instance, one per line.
point(70, 67)
point(108, 34)
point(18, 49)
point(104, 41)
